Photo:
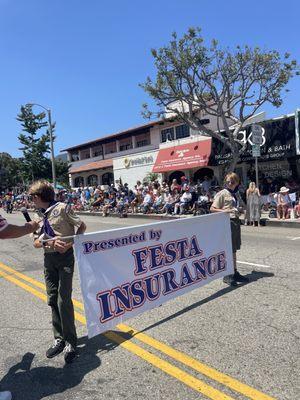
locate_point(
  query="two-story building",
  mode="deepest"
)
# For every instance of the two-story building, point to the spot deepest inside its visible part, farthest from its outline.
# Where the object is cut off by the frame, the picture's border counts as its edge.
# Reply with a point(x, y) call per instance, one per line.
point(167, 147)
point(171, 149)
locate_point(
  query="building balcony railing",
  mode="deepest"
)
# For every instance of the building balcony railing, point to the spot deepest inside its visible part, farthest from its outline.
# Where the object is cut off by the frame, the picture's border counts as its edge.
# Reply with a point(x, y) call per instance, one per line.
point(115, 154)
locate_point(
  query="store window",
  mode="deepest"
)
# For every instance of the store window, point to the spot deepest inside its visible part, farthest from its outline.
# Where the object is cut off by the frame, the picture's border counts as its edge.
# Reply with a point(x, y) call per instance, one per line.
point(143, 143)
point(107, 178)
point(179, 132)
point(143, 140)
point(85, 154)
point(97, 151)
point(92, 180)
point(74, 157)
point(110, 148)
point(125, 146)
point(167, 135)
point(79, 181)
point(182, 131)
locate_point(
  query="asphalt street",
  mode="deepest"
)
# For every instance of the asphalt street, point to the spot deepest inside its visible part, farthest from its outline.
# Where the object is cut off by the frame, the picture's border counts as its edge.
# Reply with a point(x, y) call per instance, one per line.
point(215, 342)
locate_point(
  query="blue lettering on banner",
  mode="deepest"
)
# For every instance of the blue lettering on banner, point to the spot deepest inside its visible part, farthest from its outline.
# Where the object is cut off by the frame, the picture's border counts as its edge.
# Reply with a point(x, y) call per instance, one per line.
point(138, 294)
point(132, 295)
point(186, 277)
point(170, 284)
point(92, 247)
point(152, 286)
point(153, 257)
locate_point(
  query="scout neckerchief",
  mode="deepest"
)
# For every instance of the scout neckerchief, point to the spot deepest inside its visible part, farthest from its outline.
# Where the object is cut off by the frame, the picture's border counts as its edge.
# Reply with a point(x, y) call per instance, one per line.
point(47, 232)
point(234, 195)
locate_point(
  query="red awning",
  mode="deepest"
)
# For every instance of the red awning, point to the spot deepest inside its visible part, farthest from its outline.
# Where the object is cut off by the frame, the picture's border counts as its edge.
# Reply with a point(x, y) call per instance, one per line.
point(185, 156)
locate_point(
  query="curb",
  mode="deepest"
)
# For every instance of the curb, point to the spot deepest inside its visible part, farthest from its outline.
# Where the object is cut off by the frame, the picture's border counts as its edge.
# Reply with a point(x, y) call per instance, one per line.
point(281, 224)
point(133, 215)
point(263, 221)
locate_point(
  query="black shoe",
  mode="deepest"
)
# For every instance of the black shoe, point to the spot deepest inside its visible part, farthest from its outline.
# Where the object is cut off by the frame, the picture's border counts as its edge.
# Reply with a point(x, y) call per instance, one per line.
point(229, 280)
point(70, 353)
point(240, 278)
point(56, 349)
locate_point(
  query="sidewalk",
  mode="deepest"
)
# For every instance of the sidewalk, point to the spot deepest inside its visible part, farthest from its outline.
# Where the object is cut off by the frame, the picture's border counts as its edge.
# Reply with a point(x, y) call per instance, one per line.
point(287, 223)
point(265, 220)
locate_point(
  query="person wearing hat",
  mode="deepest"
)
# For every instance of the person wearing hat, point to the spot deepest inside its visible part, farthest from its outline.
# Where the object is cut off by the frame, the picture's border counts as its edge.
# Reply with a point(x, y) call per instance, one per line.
point(283, 203)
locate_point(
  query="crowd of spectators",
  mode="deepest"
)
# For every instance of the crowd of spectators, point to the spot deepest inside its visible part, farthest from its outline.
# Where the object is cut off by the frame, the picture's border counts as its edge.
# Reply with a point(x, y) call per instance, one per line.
point(170, 198)
point(146, 197)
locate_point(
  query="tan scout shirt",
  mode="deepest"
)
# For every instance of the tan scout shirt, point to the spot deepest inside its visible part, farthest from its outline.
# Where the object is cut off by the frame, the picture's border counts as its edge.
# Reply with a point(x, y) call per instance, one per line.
point(63, 221)
point(225, 201)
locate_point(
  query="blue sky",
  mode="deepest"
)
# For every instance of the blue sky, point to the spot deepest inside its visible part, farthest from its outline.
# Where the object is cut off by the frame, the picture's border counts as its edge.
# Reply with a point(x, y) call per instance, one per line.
point(85, 60)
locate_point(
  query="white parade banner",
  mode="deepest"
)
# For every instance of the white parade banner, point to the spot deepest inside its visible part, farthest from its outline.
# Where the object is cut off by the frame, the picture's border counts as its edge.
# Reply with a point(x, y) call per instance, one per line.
point(124, 272)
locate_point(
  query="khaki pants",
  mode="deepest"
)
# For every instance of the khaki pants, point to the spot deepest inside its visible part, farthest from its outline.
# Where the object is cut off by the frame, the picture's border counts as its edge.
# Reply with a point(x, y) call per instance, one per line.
point(58, 271)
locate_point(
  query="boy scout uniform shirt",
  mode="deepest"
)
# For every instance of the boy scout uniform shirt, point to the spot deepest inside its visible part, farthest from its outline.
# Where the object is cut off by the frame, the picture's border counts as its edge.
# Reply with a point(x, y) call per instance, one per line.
point(225, 201)
point(63, 221)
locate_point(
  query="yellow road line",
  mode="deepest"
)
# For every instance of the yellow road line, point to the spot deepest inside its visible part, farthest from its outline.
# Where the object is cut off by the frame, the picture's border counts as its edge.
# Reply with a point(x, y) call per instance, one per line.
point(23, 285)
point(202, 368)
point(196, 365)
point(165, 366)
point(35, 292)
point(170, 369)
point(175, 354)
point(34, 282)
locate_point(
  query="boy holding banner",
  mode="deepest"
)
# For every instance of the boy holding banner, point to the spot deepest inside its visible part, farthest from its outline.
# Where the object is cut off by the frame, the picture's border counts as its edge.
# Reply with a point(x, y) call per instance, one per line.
point(229, 200)
point(59, 221)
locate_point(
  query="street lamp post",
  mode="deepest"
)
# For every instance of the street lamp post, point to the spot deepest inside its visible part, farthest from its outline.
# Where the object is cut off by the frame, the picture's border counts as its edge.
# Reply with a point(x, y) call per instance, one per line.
point(51, 140)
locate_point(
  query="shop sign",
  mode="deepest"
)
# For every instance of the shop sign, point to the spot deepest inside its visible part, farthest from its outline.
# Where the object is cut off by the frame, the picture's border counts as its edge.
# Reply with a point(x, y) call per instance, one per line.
point(133, 162)
point(257, 132)
point(256, 150)
point(275, 170)
point(278, 143)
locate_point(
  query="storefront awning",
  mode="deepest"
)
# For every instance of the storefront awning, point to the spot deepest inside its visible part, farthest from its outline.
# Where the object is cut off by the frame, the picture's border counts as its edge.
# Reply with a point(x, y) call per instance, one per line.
point(92, 166)
point(183, 157)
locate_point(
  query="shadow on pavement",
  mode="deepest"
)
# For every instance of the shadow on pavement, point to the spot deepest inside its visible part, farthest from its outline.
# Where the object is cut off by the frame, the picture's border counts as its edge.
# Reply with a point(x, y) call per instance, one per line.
point(27, 383)
point(253, 276)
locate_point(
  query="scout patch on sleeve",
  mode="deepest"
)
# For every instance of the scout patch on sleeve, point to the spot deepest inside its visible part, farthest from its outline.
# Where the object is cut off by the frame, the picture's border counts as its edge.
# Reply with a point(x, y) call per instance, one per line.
point(55, 212)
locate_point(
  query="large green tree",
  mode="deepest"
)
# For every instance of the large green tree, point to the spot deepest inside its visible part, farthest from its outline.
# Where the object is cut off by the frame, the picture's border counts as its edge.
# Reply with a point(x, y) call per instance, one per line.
point(194, 79)
point(62, 172)
point(10, 171)
point(35, 146)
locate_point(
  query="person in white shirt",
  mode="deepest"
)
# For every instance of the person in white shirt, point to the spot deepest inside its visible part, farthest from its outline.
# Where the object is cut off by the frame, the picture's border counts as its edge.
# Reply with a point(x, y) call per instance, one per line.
point(283, 203)
point(185, 200)
point(147, 202)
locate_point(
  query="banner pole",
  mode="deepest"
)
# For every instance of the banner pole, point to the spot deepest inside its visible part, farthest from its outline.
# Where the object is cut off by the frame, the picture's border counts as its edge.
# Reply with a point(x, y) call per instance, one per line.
point(59, 238)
